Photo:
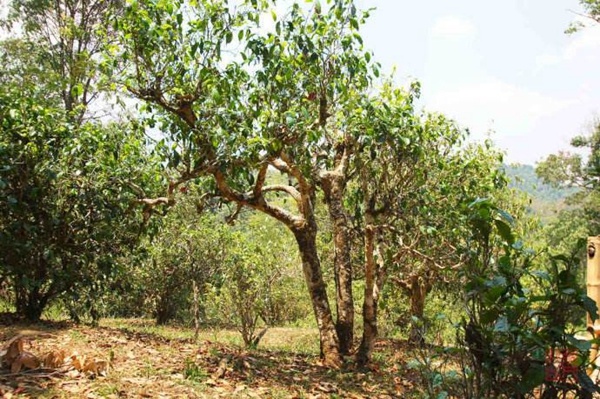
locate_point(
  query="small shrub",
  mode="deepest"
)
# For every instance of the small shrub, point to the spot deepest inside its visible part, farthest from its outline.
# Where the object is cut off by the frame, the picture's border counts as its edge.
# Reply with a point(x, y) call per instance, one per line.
point(193, 372)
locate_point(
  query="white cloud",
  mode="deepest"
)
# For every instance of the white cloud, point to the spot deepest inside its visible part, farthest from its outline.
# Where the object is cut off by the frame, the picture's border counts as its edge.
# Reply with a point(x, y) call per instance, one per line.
point(546, 60)
point(452, 26)
point(585, 41)
point(498, 101)
point(583, 44)
point(514, 114)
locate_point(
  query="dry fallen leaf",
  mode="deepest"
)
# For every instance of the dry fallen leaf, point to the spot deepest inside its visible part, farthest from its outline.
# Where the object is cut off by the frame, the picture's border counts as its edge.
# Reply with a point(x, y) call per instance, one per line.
point(15, 366)
point(54, 359)
point(102, 367)
point(77, 362)
point(73, 374)
point(89, 365)
point(239, 388)
point(25, 360)
point(13, 349)
point(29, 360)
point(220, 373)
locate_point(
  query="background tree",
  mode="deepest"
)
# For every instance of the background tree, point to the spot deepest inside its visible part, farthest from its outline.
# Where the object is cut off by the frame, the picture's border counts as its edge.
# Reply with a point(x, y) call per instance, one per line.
point(71, 35)
point(64, 179)
point(567, 169)
point(414, 178)
point(186, 254)
point(426, 239)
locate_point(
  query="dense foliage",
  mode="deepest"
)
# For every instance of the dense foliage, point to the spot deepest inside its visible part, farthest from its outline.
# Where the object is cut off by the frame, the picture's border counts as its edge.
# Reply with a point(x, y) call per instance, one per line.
point(67, 182)
point(66, 204)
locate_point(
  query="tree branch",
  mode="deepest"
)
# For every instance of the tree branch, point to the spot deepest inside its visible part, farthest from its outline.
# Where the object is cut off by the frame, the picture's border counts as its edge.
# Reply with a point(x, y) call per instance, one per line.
point(284, 216)
point(281, 166)
point(260, 180)
point(430, 260)
point(283, 188)
point(305, 188)
point(231, 218)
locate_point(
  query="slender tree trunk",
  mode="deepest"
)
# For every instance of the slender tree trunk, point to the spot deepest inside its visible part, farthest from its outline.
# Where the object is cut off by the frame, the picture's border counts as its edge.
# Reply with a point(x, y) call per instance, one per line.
point(196, 309)
point(334, 186)
point(365, 351)
point(311, 266)
point(418, 289)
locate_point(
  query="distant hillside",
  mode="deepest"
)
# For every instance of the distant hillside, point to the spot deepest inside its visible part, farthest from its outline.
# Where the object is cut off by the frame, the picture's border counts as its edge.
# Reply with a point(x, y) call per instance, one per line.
point(523, 178)
point(545, 199)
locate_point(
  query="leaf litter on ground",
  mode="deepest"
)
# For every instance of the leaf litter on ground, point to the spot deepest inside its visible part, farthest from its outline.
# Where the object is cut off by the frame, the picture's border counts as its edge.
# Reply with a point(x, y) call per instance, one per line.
point(109, 362)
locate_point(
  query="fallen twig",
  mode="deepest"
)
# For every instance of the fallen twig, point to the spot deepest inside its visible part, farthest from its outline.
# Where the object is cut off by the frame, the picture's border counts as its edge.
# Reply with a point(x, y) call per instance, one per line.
point(41, 373)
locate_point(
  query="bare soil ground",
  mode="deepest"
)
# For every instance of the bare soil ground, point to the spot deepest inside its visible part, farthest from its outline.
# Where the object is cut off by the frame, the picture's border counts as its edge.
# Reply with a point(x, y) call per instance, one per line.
point(135, 359)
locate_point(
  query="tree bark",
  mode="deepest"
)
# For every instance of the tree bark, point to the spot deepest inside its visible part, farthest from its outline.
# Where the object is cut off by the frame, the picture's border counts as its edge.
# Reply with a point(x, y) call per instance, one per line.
point(365, 351)
point(311, 266)
point(418, 289)
point(333, 187)
point(196, 309)
point(30, 303)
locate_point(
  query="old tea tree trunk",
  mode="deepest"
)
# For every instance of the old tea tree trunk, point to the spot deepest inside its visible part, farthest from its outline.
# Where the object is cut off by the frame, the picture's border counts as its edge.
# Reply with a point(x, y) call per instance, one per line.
point(333, 184)
point(375, 271)
point(311, 266)
point(416, 287)
point(374, 276)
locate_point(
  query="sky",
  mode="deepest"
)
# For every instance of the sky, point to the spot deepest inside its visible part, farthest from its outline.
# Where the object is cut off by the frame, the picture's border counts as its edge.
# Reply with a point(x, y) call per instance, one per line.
point(503, 69)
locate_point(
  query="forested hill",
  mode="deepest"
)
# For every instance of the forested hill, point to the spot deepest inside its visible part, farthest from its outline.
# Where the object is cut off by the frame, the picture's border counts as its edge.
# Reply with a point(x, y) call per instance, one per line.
point(523, 177)
point(545, 199)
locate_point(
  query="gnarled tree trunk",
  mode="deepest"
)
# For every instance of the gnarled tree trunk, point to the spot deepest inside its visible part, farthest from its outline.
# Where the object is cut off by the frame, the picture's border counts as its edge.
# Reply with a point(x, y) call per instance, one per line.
point(334, 186)
point(311, 266)
point(416, 287)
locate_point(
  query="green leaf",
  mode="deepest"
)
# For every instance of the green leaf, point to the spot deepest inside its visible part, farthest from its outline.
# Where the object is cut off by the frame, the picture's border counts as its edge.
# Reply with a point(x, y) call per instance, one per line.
point(506, 217)
point(579, 344)
point(77, 90)
point(505, 231)
point(590, 307)
point(534, 377)
point(478, 202)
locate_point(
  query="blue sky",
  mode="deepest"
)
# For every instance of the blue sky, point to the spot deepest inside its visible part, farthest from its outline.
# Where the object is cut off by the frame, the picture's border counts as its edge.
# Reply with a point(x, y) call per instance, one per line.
point(503, 69)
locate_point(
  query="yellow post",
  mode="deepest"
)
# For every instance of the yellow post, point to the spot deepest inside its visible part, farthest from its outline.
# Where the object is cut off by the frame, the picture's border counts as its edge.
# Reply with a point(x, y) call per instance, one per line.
point(593, 287)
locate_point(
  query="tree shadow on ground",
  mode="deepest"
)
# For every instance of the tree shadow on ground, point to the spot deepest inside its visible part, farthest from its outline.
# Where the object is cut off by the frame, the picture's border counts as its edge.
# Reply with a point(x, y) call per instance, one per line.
point(146, 363)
